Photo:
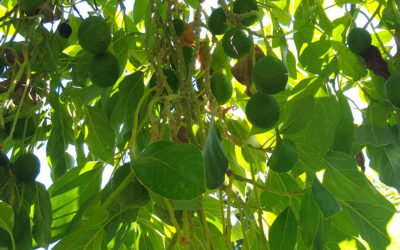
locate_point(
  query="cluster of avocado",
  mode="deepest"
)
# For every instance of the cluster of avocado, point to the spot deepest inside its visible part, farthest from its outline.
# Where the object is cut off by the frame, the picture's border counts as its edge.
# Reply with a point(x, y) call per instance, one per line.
point(270, 76)
point(95, 37)
point(236, 42)
point(25, 168)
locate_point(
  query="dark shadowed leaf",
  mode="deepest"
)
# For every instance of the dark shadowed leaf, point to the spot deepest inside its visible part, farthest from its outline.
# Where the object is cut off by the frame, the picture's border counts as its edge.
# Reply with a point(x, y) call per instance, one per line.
point(386, 161)
point(309, 218)
point(326, 202)
point(6, 218)
point(42, 216)
point(344, 134)
point(215, 159)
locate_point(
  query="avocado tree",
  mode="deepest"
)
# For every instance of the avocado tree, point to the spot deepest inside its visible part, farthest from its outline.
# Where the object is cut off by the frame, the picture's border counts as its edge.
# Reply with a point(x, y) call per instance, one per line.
point(225, 128)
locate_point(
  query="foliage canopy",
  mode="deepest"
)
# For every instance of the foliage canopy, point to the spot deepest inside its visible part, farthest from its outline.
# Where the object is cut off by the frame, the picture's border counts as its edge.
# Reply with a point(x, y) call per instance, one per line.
point(201, 157)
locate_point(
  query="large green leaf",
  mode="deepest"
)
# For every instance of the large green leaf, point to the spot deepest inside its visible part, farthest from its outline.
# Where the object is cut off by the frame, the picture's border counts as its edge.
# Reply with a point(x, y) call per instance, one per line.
point(131, 90)
point(313, 56)
point(370, 211)
point(69, 192)
point(60, 136)
point(89, 232)
point(386, 161)
point(100, 137)
point(120, 44)
point(320, 131)
point(215, 159)
point(175, 171)
point(309, 160)
point(298, 115)
point(369, 134)
point(42, 217)
point(283, 232)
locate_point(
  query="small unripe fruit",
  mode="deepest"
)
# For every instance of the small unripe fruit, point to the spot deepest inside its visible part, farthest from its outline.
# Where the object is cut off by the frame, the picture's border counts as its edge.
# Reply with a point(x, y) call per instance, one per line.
point(359, 40)
point(26, 167)
point(262, 111)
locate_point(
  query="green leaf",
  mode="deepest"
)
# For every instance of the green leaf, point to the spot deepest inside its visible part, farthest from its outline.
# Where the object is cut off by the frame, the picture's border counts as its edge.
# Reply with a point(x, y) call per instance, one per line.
point(283, 16)
point(323, 233)
point(351, 64)
point(369, 134)
point(70, 191)
point(131, 89)
point(61, 136)
point(386, 161)
point(22, 230)
point(284, 156)
point(303, 24)
point(309, 160)
point(326, 202)
point(215, 159)
point(215, 235)
point(291, 65)
point(100, 137)
point(175, 171)
point(370, 211)
point(320, 131)
point(298, 115)
point(192, 3)
point(139, 10)
point(192, 204)
point(283, 232)
point(80, 71)
point(324, 21)
point(282, 182)
point(42, 217)
point(344, 134)
point(313, 56)
point(145, 242)
point(6, 218)
point(88, 232)
point(309, 218)
point(120, 44)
